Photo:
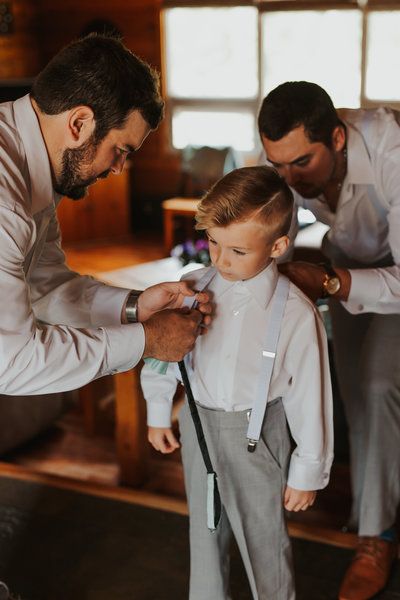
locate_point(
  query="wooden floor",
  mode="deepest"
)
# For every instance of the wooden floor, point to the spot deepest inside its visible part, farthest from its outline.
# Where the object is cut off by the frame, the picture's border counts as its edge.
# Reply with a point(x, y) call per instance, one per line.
point(67, 456)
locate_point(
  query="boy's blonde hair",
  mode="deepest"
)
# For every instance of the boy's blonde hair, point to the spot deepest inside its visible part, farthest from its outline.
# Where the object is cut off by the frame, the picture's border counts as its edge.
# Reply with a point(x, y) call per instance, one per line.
point(249, 192)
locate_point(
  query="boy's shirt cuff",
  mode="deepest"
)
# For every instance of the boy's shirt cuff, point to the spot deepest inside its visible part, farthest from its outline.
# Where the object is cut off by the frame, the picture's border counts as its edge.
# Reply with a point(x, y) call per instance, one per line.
point(158, 414)
point(308, 476)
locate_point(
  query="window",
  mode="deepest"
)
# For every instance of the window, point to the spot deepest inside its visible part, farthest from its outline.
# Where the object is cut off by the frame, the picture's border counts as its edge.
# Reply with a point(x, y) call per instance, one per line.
point(221, 61)
point(212, 75)
point(383, 57)
point(303, 45)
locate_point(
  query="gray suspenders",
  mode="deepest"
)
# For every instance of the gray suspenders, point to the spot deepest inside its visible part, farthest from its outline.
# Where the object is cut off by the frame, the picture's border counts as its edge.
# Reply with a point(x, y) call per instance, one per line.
point(268, 358)
point(259, 407)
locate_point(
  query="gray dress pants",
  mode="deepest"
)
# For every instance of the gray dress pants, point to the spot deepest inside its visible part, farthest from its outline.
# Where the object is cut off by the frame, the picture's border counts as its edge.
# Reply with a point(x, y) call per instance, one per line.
point(251, 486)
point(367, 361)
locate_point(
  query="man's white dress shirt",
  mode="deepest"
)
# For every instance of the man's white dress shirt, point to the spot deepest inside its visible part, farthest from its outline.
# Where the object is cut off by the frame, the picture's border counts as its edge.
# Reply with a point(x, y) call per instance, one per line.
point(227, 360)
point(363, 231)
point(58, 330)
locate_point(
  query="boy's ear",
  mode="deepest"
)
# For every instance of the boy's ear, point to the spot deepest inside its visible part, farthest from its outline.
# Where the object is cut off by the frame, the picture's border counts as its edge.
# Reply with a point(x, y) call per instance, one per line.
point(280, 246)
point(81, 125)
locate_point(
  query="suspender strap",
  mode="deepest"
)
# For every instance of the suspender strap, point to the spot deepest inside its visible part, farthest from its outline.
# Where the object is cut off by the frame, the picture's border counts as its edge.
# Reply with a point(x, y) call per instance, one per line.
point(213, 497)
point(267, 363)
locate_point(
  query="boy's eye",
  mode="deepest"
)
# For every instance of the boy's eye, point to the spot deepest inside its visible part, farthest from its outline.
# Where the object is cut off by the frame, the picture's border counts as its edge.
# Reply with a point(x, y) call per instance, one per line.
point(239, 252)
point(210, 241)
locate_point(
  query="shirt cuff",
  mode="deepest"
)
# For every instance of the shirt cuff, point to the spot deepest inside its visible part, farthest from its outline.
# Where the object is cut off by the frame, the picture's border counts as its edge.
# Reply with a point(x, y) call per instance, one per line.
point(365, 291)
point(107, 305)
point(125, 347)
point(308, 476)
point(158, 414)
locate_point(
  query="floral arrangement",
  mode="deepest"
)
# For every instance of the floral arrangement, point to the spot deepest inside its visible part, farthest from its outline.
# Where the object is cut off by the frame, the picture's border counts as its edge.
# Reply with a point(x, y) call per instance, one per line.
point(192, 252)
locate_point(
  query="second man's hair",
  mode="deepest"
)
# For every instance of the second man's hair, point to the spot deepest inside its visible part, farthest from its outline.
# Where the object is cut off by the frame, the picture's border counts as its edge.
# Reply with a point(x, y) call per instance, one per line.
point(294, 104)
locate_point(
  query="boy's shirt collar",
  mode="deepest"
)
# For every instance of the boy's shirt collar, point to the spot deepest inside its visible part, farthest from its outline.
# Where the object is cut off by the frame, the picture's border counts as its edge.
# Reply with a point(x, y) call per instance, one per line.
point(261, 287)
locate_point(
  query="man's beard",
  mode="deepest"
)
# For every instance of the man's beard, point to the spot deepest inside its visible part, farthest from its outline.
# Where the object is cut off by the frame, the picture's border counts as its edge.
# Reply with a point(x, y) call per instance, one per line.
point(70, 182)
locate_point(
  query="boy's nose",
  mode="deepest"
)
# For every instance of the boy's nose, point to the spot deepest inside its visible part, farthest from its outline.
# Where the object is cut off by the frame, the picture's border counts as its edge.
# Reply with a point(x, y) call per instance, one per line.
point(222, 261)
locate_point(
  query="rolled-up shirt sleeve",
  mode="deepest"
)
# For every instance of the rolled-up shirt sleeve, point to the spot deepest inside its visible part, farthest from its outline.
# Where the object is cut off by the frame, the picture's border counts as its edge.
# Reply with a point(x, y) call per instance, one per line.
point(308, 405)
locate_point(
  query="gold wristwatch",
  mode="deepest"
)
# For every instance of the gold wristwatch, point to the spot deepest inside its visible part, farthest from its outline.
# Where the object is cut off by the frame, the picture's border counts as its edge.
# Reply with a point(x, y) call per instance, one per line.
point(331, 284)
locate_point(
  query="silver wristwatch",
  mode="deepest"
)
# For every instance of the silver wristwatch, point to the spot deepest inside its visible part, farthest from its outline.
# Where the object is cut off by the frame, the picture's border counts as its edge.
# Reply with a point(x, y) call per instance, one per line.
point(131, 306)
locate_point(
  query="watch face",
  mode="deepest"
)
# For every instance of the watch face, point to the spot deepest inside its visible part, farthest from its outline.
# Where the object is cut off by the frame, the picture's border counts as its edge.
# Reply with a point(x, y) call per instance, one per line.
point(332, 285)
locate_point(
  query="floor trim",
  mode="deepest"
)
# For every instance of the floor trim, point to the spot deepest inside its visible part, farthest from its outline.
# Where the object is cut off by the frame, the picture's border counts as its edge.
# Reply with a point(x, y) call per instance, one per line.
point(157, 501)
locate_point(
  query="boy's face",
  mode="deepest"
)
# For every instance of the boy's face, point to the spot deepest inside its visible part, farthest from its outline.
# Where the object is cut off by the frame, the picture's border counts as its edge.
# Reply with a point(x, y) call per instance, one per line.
point(243, 249)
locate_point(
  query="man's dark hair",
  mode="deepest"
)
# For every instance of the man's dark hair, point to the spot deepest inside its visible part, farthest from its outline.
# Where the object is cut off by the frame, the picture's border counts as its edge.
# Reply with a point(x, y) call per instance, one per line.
point(298, 103)
point(100, 72)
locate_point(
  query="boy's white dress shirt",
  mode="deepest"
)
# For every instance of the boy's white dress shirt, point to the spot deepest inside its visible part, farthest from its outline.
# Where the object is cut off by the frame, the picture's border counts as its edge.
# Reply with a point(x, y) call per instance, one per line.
point(227, 360)
point(50, 317)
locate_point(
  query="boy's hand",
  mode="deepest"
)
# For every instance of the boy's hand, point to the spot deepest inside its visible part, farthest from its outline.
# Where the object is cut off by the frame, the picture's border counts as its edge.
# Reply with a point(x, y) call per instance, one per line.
point(298, 499)
point(162, 439)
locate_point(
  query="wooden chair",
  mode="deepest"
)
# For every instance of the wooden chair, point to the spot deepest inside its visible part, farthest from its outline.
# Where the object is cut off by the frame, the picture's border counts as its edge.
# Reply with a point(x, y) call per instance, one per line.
point(201, 168)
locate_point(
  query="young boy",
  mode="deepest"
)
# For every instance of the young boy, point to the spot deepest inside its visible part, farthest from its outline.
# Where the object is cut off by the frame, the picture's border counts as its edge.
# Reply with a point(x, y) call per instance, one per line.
point(247, 215)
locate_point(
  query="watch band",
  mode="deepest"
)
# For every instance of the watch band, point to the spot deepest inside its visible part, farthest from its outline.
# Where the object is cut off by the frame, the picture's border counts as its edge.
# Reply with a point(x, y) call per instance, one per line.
point(131, 306)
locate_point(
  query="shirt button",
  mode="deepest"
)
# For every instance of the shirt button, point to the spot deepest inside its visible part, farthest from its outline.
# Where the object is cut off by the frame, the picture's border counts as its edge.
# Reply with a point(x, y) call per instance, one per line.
point(360, 307)
point(235, 312)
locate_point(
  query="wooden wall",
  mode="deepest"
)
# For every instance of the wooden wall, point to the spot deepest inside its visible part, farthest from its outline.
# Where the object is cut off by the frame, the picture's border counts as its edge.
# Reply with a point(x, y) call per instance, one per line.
point(19, 50)
point(42, 27)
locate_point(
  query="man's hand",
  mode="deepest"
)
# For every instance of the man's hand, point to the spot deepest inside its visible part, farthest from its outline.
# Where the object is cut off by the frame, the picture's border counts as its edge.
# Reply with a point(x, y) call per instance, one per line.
point(310, 277)
point(298, 499)
point(171, 295)
point(162, 439)
point(171, 334)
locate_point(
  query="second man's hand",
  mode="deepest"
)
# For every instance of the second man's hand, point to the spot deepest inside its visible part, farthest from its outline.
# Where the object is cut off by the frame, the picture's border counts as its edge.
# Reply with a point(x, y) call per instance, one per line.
point(309, 277)
point(171, 334)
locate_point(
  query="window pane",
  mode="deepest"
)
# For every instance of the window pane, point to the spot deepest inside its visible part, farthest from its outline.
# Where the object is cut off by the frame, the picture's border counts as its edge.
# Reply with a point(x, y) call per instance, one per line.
point(211, 52)
point(383, 56)
point(319, 46)
point(217, 129)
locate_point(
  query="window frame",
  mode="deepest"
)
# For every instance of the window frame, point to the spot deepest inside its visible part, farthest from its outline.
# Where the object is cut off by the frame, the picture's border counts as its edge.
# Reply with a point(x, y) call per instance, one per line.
point(264, 6)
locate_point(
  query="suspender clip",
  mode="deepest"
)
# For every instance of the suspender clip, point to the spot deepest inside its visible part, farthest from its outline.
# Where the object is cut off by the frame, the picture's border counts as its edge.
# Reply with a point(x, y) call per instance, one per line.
point(252, 445)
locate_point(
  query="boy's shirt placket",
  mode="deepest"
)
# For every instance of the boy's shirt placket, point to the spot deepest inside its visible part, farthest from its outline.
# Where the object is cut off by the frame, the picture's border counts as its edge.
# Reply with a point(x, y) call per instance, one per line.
point(235, 311)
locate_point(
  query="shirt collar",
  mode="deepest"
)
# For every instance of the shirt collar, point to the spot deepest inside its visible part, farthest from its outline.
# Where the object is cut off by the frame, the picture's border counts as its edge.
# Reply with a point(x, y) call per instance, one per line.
point(42, 192)
point(261, 287)
point(359, 170)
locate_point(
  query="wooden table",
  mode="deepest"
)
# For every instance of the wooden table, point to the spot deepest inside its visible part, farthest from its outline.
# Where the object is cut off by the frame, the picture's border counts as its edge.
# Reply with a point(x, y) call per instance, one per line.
point(172, 208)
